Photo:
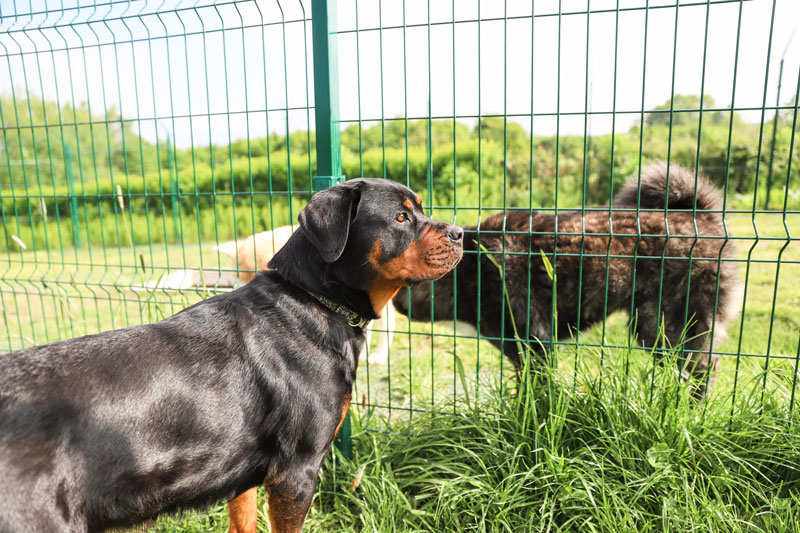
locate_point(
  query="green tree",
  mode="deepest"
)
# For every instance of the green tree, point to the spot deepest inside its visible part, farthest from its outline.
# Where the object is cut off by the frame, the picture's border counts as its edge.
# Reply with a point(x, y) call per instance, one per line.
point(685, 110)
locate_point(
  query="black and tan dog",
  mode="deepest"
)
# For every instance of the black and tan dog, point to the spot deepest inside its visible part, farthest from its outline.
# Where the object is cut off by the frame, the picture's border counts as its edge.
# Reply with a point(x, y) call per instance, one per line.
point(243, 389)
point(595, 272)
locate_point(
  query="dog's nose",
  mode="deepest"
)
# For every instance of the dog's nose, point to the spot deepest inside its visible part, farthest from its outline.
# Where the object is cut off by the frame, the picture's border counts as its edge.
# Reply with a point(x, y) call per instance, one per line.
point(455, 233)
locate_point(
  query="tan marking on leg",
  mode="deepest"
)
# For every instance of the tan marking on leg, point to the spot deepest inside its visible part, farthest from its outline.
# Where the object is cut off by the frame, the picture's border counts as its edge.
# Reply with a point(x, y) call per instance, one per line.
point(243, 513)
point(345, 406)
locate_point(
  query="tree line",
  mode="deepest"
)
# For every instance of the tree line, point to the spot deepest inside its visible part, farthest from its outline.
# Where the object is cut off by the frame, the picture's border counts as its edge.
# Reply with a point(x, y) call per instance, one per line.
point(491, 163)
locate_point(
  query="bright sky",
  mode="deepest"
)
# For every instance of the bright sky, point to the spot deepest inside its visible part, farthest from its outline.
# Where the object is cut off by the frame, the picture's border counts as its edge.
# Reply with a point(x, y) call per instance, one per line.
point(220, 83)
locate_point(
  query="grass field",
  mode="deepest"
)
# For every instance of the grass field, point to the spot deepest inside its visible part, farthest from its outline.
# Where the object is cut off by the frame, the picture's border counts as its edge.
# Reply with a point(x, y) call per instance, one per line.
point(603, 444)
point(547, 456)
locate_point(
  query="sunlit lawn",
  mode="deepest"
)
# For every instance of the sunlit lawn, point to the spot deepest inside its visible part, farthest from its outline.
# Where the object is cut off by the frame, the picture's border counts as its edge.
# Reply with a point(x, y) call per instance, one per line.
point(50, 295)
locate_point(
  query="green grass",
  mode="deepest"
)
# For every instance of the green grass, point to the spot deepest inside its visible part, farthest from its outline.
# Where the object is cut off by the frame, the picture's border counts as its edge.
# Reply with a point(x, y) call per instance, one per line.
point(553, 456)
point(439, 436)
point(546, 455)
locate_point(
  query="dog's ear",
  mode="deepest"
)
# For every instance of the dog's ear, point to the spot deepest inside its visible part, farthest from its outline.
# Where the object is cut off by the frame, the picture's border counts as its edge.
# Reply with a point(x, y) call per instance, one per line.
point(326, 219)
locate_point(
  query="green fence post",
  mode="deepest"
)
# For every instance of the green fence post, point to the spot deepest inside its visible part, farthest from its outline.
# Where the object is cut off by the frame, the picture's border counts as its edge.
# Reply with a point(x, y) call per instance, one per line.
point(73, 199)
point(326, 94)
point(326, 111)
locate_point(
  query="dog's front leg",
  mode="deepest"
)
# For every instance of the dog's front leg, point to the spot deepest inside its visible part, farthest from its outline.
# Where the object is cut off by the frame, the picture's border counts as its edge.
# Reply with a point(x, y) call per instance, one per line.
point(289, 502)
point(243, 513)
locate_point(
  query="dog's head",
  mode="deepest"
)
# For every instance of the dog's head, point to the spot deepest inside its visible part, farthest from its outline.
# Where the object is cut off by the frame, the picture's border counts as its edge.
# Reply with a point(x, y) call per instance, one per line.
point(373, 236)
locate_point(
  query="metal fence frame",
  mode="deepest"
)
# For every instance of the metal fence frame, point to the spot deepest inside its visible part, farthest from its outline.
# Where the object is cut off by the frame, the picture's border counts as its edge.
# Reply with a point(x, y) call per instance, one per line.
point(45, 279)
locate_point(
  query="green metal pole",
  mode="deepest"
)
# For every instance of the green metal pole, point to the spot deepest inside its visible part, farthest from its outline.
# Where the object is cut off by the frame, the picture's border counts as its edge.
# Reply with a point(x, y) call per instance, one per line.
point(326, 94)
point(343, 438)
point(774, 132)
point(326, 111)
point(775, 122)
point(173, 189)
point(73, 200)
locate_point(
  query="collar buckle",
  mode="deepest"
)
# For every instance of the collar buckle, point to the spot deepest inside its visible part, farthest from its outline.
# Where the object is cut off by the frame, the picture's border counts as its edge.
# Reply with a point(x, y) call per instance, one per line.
point(357, 321)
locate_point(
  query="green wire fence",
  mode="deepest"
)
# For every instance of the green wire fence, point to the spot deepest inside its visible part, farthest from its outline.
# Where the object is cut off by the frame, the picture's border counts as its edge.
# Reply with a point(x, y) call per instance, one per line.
point(139, 136)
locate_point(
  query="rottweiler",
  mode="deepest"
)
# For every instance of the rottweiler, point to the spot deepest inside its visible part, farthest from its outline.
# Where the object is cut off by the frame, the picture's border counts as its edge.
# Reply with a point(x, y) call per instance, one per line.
point(242, 389)
point(253, 253)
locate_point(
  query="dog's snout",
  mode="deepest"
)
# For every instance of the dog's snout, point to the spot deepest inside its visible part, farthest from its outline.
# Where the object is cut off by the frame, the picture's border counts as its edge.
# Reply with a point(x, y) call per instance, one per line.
point(455, 233)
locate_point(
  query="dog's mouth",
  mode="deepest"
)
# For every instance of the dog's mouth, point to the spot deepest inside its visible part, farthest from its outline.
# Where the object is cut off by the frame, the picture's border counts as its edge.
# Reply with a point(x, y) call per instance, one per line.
point(439, 261)
point(427, 262)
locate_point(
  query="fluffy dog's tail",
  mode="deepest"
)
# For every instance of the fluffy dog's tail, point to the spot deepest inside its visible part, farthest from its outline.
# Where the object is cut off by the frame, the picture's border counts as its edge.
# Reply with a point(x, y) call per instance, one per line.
point(683, 185)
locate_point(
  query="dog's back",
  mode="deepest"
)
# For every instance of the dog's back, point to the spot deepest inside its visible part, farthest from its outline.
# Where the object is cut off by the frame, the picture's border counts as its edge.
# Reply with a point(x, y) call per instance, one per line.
point(117, 446)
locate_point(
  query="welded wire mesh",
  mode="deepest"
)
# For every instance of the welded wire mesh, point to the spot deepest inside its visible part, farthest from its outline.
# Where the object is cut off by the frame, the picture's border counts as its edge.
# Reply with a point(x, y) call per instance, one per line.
point(138, 137)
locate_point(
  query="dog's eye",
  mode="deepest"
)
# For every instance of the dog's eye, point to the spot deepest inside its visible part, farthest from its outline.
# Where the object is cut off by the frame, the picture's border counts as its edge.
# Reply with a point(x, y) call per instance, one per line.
point(402, 217)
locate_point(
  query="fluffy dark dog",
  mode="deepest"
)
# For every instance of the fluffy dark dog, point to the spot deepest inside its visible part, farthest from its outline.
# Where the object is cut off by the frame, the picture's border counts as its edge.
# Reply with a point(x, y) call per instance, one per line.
point(606, 271)
point(242, 389)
